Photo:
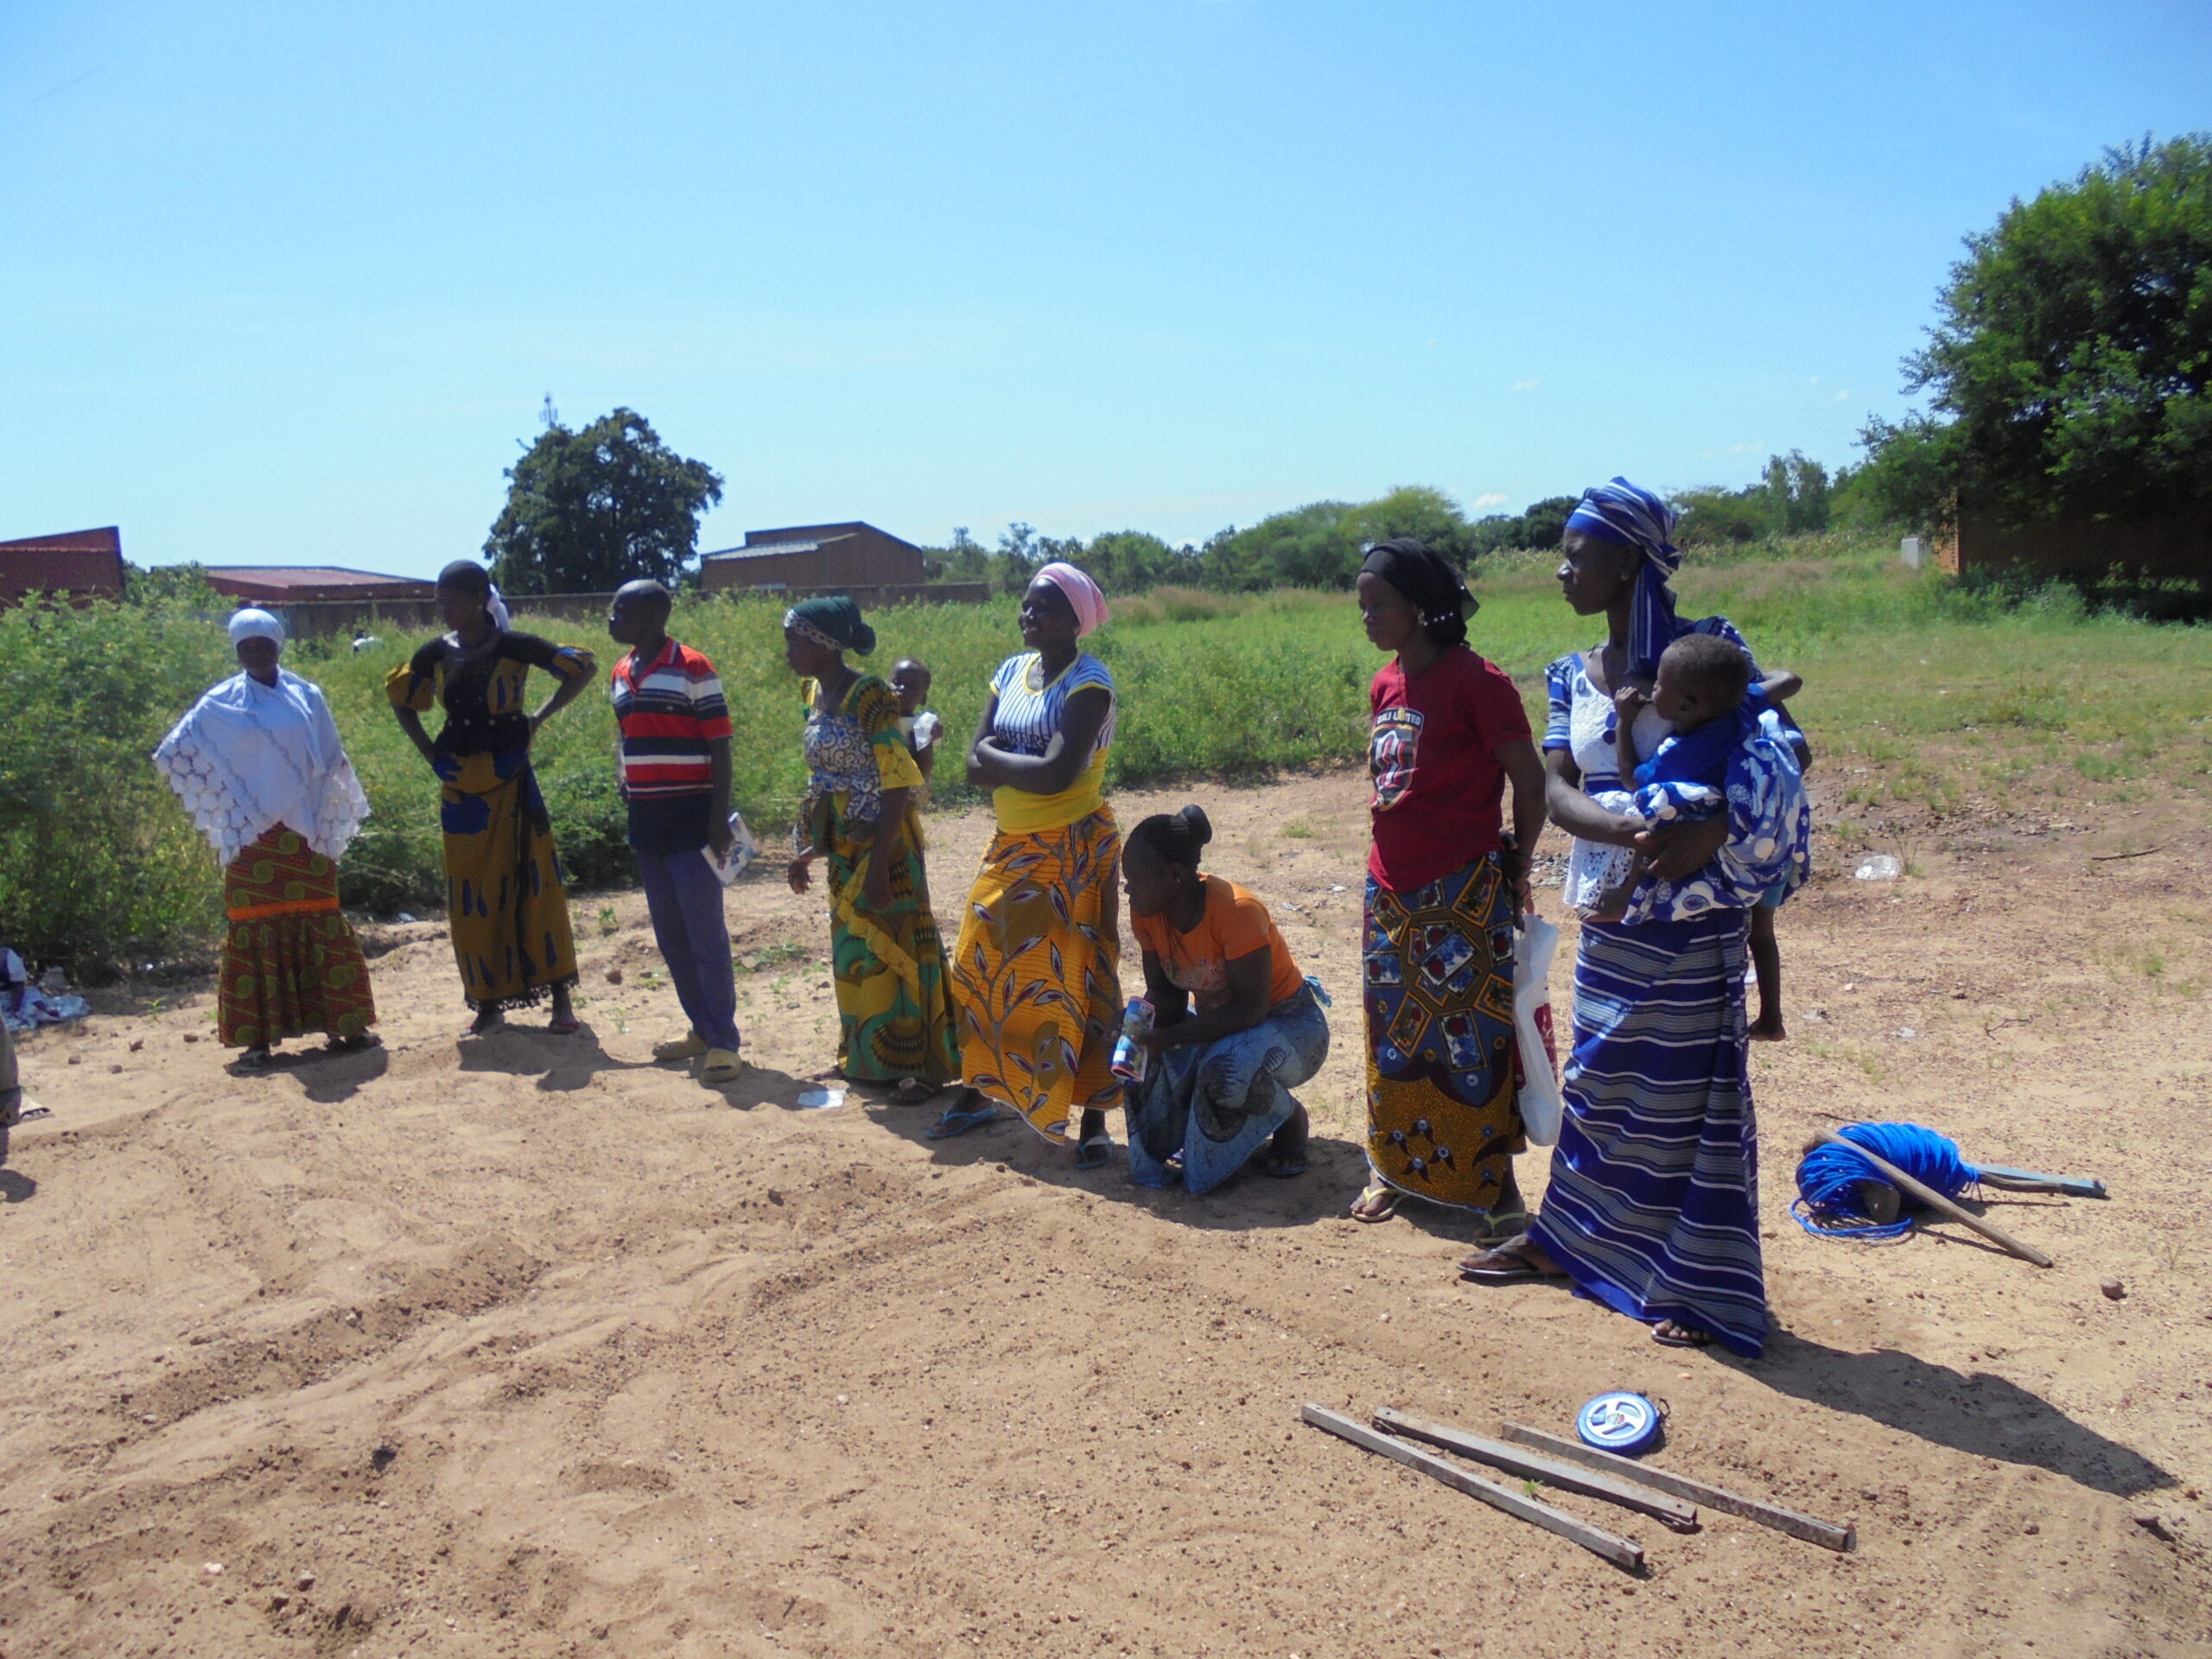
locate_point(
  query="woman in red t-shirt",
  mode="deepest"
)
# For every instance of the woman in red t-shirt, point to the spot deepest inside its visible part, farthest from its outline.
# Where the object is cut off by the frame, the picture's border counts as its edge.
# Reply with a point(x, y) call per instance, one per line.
point(1445, 888)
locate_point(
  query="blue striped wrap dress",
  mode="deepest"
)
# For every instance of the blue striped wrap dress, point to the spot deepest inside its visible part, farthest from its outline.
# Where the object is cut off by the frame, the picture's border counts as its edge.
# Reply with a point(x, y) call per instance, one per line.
point(1653, 1203)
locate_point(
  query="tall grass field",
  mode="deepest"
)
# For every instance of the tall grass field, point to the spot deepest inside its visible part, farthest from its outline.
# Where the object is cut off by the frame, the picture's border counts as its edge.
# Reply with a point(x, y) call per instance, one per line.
point(1917, 690)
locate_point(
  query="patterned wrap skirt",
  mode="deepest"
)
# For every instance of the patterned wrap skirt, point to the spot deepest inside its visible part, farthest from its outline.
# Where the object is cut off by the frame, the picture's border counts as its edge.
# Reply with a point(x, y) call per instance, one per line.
point(506, 903)
point(894, 1003)
point(291, 965)
point(1443, 1069)
point(1653, 1205)
point(1214, 1106)
point(1036, 973)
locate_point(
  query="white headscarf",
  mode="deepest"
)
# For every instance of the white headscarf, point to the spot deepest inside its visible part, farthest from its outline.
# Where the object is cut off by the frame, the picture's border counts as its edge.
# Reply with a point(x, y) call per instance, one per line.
point(255, 624)
point(248, 756)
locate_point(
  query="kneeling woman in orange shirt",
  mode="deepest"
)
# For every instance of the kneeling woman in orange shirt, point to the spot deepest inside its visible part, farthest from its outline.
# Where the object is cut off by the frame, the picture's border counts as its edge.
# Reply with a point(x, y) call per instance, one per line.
point(1220, 1075)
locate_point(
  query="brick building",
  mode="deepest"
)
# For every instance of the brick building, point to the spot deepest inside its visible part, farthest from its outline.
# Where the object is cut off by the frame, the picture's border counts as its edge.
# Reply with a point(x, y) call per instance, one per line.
point(302, 584)
point(86, 563)
point(2172, 551)
point(832, 558)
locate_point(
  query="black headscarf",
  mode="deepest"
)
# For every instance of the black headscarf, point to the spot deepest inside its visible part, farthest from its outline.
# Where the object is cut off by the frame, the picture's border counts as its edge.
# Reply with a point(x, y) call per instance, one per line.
point(1430, 585)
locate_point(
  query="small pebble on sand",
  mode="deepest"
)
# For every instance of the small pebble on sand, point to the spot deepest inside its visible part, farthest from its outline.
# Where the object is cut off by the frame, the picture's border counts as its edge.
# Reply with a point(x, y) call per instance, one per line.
point(2114, 1290)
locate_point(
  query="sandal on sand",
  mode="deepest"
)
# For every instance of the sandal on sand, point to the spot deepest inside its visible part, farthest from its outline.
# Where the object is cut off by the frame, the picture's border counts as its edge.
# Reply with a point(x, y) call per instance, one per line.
point(485, 1024)
point(1505, 1264)
point(1671, 1334)
point(1375, 1203)
point(957, 1121)
point(564, 1025)
point(723, 1066)
point(1095, 1152)
point(1283, 1168)
point(913, 1091)
point(254, 1060)
point(355, 1045)
point(690, 1046)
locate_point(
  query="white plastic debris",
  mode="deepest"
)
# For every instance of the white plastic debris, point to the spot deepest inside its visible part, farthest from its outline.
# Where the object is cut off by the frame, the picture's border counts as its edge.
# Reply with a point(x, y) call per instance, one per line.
point(1879, 867)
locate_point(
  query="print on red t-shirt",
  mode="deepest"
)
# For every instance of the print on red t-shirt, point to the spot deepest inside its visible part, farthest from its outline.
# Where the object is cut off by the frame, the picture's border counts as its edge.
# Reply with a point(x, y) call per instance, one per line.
point(1432, 753)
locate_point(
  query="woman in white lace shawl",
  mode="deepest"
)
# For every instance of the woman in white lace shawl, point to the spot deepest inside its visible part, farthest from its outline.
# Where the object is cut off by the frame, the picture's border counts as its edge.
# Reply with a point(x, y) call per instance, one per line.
point(258, 766)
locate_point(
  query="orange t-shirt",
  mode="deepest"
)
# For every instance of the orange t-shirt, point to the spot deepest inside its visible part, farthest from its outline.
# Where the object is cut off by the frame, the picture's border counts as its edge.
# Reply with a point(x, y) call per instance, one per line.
point(1234, 925)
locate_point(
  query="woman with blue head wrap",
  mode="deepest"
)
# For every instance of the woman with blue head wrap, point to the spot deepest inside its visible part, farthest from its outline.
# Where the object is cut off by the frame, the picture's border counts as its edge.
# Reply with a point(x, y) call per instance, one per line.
point(1652, 1207)
point(1621, 515)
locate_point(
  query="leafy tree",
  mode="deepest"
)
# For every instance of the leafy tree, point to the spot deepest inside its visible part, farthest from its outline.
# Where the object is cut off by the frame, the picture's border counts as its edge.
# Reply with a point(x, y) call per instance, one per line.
point(1545, 521)
point(588, 510)
point(184, 585)
point(1322, 543)
point(2069, 362)
point(1794, 496)
point(1020, 554)
point(1130, 561)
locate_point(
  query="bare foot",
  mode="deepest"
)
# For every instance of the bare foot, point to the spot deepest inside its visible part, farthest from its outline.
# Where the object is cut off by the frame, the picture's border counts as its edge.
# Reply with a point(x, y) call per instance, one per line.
point(1671, 1333)
point(487, 1022)
point(1767, 1028)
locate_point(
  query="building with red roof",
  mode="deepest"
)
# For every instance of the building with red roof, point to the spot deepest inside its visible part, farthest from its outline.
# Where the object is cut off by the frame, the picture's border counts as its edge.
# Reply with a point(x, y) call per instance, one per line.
point(300, 584)
point(87, 563)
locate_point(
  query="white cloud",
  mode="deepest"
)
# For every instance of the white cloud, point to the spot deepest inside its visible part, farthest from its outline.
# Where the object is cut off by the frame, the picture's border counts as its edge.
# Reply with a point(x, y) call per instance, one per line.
point(1529, 384)
point(1843, 396)
point(1488, 499)
point(1815, 381)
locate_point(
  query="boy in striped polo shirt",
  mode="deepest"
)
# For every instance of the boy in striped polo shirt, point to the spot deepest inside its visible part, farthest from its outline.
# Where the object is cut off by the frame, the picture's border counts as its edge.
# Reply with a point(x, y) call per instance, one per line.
point(675, 776)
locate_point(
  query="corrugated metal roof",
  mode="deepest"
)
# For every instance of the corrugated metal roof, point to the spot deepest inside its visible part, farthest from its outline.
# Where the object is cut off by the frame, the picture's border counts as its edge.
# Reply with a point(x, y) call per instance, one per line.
point(308, 576)
point(766, 550)
point(107, 539)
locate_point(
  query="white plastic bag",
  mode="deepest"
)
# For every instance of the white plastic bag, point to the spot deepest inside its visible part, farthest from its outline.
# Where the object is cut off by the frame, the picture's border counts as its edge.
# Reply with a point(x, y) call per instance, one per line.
point(1540, 1105)
point(744, 847)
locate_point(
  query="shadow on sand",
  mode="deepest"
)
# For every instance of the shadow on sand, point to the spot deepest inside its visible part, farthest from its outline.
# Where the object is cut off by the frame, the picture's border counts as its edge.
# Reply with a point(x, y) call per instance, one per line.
point(561, 1064)
point(1975, 1412)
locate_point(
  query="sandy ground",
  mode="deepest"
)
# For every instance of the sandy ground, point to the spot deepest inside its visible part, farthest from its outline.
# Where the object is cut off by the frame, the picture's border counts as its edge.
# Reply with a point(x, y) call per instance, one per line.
point(527, 1346)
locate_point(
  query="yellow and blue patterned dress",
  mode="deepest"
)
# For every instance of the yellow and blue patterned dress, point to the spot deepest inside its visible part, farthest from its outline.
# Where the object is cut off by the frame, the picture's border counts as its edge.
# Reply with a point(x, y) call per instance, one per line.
point(894, 1004)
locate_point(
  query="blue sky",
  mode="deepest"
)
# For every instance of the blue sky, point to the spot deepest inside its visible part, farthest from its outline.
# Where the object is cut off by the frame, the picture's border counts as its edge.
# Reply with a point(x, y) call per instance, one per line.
point(289, 283)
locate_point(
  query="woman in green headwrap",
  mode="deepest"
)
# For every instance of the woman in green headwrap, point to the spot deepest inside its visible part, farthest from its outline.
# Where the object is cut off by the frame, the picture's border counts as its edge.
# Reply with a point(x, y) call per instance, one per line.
point(894, 1002)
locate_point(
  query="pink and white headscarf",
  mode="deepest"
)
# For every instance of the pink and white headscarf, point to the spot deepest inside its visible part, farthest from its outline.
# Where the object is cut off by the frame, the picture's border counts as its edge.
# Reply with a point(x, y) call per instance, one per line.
point(1084, 594)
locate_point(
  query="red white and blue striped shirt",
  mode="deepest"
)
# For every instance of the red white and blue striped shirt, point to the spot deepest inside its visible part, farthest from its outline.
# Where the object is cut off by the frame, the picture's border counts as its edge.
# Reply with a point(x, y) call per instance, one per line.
point(669, 710)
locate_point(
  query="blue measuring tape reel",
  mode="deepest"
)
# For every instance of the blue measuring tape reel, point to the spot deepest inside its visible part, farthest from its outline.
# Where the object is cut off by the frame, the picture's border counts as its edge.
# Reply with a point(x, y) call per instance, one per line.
point(1627, 1425)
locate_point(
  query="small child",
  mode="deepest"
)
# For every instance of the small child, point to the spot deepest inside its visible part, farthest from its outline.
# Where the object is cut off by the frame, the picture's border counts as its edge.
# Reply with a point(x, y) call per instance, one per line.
point(1709, 701)
point(910, 678)
point(1701, 690)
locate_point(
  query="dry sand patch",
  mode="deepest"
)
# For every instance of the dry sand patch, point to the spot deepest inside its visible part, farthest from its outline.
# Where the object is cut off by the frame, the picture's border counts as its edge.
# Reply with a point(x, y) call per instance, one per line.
point(528, 1347)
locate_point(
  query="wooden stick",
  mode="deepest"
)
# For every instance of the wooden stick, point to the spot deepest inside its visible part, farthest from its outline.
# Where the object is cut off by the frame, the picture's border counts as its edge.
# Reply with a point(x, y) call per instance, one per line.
point(1621, 1552)
point(1682, 1517)
point(1826, 1534)
point(1935, 1200)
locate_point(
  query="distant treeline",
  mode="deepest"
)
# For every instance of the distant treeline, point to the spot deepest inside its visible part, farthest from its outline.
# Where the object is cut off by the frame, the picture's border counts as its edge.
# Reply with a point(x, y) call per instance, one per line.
point(1321, 544)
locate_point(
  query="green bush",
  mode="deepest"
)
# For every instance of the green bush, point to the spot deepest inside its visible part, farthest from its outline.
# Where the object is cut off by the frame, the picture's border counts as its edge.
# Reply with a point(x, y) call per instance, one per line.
point(99, 866)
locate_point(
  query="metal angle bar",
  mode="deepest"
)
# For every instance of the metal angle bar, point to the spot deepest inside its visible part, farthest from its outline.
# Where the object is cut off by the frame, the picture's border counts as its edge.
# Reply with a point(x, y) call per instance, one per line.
point(1621, 1552)
point(1826, 1534)
point(1675, 1513)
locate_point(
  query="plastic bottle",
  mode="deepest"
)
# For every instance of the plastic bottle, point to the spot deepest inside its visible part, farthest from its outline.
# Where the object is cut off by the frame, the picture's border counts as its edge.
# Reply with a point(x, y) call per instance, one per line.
point(1132, 1059)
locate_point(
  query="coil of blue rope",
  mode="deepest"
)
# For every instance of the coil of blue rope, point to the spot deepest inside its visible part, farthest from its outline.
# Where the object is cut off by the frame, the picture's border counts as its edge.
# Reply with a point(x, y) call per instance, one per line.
point(1828, 1179)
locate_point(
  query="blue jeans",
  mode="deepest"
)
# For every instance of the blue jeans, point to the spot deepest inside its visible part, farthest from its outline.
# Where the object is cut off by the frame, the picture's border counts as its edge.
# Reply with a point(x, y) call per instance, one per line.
point(685, 898)
point(1216, 1105)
